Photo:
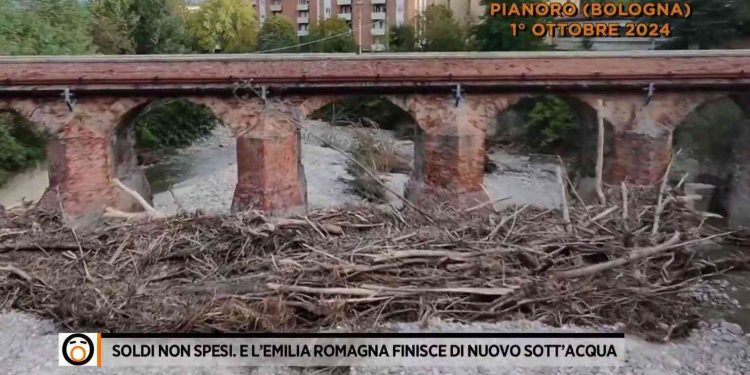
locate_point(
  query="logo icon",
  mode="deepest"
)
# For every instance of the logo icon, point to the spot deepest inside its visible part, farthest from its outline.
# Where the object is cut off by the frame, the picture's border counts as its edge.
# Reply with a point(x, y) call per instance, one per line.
point(78, 349)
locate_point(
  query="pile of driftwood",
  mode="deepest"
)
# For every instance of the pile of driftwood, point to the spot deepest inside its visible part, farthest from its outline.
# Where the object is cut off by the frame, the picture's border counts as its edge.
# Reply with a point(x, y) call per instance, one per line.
point(630, 261)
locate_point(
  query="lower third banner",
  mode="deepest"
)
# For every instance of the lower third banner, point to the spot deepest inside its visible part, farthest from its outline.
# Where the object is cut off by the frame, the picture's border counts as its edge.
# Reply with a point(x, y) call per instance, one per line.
point(344, 349)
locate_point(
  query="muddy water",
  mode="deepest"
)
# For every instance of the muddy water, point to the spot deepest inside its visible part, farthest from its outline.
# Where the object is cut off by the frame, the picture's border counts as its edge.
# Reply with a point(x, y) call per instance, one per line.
point(28, 185)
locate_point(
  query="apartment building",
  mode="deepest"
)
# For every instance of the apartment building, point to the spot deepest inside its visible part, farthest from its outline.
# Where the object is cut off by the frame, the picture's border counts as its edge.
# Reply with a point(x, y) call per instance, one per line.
point(372, 17)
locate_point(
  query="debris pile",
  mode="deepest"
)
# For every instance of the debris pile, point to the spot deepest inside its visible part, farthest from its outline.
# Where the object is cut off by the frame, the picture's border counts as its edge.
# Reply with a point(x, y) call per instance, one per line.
point(628, 262)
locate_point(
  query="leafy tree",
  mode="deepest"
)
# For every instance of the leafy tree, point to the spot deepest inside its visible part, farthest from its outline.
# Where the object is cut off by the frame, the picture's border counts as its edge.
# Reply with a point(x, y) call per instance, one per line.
point(494, 32)
point(344, 42)
point(229, 25)
point(44, 27)
point(20, 146)
point(550, 123)
point(440, 31)
point(168, 124)
point(713, 23)
point(160, 27)
point(277, 32)
point(403, 38)
point(113, 24)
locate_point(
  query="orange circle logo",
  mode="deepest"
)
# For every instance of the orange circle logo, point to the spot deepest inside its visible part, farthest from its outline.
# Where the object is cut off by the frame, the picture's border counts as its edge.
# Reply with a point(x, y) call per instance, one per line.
point(77, 349)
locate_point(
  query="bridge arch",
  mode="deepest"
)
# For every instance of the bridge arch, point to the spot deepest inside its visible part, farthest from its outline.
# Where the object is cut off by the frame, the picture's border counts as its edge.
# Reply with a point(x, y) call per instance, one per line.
point(374, 130)
point(714, 156)
point(525, 135)
point(24, 171)
point(140, 136)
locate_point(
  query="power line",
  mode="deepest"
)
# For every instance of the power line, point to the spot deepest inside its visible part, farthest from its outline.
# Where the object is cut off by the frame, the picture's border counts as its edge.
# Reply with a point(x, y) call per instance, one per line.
point(318, 40)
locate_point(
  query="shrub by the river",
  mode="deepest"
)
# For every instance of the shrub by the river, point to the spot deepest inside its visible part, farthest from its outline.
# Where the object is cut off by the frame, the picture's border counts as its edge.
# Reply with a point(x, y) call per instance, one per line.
point(20, 146)
point(171, 124)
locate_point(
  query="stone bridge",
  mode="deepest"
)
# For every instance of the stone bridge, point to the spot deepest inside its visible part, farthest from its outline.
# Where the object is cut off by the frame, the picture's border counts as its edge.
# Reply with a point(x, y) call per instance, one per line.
point(83, 105)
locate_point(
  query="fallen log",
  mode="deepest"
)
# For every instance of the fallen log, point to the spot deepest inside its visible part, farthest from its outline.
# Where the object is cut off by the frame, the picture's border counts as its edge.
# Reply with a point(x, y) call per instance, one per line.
point(633, 256)
point(26, 246)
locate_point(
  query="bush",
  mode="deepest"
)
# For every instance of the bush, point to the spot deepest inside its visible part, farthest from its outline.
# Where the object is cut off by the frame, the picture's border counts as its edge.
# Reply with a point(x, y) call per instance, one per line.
point(550, 125)
point(20, 146)
point(167, 125)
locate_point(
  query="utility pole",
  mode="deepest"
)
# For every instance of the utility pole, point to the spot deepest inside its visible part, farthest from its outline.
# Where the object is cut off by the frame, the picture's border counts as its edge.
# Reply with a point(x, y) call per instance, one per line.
point(360, 4)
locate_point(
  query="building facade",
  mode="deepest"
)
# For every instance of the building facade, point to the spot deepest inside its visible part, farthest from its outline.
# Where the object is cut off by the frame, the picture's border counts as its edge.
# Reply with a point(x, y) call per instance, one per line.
point(369, 20)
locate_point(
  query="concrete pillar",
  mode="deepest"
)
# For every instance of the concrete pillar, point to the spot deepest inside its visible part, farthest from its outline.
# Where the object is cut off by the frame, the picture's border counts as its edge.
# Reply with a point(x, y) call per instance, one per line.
point(449, 152)
point(270, 172)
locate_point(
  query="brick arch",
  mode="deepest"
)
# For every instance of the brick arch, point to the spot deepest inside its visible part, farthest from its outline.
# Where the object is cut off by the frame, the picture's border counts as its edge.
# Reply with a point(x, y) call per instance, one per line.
point(232, 112)
point(307, 105)
point(641, 131)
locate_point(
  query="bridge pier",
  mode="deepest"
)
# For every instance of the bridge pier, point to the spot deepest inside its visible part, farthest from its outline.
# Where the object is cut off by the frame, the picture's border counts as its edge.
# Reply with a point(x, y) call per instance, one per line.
point(641, 143)
point(270, 172)
point(449, 153)
point(80, 154)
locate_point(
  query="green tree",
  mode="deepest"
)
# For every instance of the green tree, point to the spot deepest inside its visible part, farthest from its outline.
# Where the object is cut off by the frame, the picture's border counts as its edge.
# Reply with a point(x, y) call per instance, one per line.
point(277, 32)
point(44, 27)
point(402, 38)
point(713, 23)
point(161, 26)
point(168, 124)
point(228, 25)
point(440, 31)
point(494, 32)
point(337, 34)
point(113, 24)
point(20, 146)
point(550, 124)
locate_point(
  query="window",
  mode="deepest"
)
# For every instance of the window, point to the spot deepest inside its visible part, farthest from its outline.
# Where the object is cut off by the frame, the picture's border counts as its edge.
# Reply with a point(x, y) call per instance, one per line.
point(345, 9)
point(378, 8)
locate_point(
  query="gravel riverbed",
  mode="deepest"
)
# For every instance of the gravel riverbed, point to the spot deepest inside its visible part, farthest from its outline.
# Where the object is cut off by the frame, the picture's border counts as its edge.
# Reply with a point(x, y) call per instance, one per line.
point(203, 176)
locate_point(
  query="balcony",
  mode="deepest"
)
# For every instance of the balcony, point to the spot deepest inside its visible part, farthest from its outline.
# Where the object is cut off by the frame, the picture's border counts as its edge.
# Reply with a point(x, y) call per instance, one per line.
point(303, 6)
point(345, 16)
point(276, 7)
point(377, 31)
point(346, 2)
point(303, 32)
point(378, 47)
point(304, 19)
point(375, 2)
point(377, 16)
